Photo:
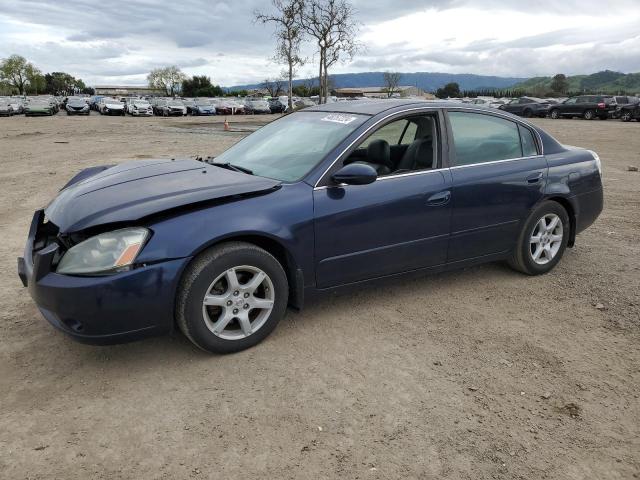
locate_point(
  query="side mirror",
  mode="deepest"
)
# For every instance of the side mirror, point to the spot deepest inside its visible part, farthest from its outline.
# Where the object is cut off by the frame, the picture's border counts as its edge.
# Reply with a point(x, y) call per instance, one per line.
point(355, 174)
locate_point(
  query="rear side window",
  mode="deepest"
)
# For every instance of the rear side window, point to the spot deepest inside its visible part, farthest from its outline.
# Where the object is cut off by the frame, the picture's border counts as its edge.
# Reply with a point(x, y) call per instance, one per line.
point(529, 148)
point(480, 138)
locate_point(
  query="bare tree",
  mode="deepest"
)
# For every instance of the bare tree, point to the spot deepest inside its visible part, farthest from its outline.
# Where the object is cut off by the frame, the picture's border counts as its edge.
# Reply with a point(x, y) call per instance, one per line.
point(289, 35)
point(274, 87)
point(168, 79)
point(392, 82)
point(332, 25)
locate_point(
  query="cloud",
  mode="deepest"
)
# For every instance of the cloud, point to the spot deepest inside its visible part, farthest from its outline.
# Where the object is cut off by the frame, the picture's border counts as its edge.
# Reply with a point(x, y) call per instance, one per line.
point(119, 41)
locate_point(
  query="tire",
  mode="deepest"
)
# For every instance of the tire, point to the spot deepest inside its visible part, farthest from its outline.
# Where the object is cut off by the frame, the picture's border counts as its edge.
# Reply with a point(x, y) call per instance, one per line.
point(588, 115)
point(555, 114)
point(625, 117)
point(208, 275)
point(522, 258)
point(527, 113)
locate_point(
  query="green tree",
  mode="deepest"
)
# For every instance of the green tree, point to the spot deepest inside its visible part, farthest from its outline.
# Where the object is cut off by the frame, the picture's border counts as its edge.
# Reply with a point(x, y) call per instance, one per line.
point(560, 84)
point(200, 86)
point(16, 71)
point(449, 90)
point(61, 83)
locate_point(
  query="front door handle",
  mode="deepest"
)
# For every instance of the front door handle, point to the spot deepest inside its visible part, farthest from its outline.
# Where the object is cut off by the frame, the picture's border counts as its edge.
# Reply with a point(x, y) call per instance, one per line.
point(535, 178)
point(439, 199)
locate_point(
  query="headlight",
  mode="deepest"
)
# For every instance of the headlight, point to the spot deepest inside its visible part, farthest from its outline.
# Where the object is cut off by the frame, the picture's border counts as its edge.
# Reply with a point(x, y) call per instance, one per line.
point(105, 253)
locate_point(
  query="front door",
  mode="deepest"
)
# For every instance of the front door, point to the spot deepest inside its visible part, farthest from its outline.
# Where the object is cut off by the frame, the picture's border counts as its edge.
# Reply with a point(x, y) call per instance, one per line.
point(396, 224)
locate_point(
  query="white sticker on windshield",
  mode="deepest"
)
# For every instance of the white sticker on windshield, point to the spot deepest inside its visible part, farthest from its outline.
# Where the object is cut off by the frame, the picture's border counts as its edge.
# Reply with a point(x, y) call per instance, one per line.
point(338, 118)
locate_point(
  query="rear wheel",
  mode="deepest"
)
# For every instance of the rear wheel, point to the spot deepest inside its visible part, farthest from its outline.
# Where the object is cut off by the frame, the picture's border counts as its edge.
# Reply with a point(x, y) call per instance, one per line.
point(555, 114)
point(231, 297)
point(589, 114)
point(543, 240)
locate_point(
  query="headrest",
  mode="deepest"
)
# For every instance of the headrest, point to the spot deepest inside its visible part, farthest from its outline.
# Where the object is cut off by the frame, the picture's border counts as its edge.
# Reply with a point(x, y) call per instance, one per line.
point(379, 152)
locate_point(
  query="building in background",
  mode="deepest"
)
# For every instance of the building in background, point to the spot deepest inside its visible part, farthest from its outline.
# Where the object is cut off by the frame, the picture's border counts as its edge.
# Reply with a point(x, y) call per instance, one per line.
point(380, 92)
point(127, 90)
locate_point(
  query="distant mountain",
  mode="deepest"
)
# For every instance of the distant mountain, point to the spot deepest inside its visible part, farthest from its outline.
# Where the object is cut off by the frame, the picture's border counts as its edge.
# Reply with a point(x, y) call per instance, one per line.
point(427, 81)
point(606, 81)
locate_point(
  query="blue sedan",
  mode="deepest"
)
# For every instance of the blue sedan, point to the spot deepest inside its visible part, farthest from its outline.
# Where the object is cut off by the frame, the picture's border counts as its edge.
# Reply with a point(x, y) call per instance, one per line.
point(331, 197)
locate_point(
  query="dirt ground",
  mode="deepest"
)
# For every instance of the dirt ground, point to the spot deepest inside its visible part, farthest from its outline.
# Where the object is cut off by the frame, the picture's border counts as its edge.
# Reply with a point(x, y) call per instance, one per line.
point(481, 373)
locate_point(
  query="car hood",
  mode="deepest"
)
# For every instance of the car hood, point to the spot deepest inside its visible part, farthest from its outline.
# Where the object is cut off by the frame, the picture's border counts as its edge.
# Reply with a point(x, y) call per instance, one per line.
point(134, 190)
point(114, 105)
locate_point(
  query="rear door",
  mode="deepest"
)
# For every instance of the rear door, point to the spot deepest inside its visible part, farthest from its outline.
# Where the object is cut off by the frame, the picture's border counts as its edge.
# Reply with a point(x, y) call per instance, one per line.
point(498, 175)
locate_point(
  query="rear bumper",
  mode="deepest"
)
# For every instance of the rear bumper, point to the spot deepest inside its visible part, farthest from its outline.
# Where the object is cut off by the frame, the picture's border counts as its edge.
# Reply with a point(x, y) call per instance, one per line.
point(101, 310)
point(590, 205)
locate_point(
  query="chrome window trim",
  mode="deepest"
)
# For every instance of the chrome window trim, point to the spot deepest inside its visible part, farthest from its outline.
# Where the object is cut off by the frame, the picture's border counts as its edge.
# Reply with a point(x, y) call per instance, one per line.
point(495, 161)
point(423, 172)
point(387, 177)
point(497, 113)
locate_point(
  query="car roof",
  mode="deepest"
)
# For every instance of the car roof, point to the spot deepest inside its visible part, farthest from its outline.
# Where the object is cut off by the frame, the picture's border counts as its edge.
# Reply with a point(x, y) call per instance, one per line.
point(375, 107)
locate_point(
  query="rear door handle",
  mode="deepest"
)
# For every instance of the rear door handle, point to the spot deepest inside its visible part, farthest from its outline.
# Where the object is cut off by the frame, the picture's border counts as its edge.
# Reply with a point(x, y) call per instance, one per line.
point(439, 199)
point(535, 178)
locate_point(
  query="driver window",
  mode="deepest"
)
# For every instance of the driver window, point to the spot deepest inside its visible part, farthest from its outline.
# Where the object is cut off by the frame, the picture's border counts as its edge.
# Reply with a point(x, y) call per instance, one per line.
point(391, 133)
point(402, 146)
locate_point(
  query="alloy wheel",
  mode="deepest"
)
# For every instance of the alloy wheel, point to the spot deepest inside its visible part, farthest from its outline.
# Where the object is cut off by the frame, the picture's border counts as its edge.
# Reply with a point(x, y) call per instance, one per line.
point(546, 239)
point(238, 302)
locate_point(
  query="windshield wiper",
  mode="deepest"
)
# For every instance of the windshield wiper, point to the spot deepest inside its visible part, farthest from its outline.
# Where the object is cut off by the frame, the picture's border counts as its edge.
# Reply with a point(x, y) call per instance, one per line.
point(235, 168)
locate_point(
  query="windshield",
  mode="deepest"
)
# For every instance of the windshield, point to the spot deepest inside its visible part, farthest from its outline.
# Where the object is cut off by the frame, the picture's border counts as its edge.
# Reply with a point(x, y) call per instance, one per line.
point(176, 103)
point(289, 148)
point(76, 101)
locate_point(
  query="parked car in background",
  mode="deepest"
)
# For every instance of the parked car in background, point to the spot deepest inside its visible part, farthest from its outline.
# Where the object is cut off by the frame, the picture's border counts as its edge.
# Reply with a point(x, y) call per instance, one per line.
point(277, 106)
point(585, 106)
point(17, 104)
point(624, 99)
point(77, 106)
point(630, 111)
point(110, 106)
point(332, 197)
point(38, 106)
point(139, 108)
point(527, 107)
point(6, 109)
point(203, 107)
point(237, 106)
point(189, 103)
point(303, 103)
point(256, 106)
point(172, 107)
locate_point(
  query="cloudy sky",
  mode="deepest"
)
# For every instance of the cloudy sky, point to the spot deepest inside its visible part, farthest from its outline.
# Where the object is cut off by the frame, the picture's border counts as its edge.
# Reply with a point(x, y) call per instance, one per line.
point(119, 41)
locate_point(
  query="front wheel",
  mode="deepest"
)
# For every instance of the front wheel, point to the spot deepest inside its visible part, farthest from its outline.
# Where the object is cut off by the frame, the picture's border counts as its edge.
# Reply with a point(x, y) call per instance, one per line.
point(231, 297)
point(555, 114)
point(588, 115)
point(543, 240)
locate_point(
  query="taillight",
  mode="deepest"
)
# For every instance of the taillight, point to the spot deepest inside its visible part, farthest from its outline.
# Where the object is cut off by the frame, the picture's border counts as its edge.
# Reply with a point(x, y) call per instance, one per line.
point(602, 105)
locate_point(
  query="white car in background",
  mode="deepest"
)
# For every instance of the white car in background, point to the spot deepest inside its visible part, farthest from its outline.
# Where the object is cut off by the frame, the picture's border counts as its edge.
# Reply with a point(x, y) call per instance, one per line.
point(110, 106)
point(139, 108)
